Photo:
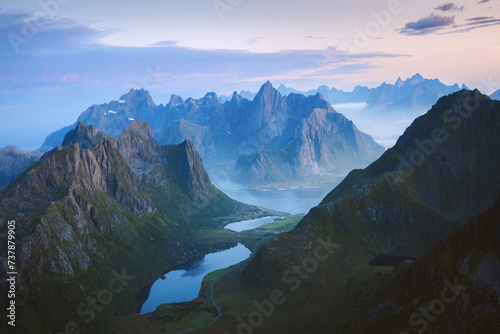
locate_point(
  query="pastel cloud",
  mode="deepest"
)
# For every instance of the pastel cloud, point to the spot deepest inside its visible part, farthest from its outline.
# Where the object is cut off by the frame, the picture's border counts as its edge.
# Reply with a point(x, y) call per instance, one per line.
point(427, 24)
point(449, 7)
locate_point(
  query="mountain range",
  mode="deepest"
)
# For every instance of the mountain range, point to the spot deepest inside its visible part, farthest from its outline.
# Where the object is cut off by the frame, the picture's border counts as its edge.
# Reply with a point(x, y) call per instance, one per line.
point(433, 196)
point(270, 139)
point(409, 243)
point(409, 98)
point(99, 207)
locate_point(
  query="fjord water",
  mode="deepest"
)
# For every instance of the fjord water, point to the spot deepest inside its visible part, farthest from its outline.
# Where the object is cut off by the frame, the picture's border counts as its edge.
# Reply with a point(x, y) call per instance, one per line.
point(184, 284)
point(290, 200)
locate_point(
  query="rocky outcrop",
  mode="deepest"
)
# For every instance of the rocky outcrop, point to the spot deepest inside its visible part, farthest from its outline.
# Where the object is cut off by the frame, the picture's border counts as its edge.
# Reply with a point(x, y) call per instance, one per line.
point(86, 137)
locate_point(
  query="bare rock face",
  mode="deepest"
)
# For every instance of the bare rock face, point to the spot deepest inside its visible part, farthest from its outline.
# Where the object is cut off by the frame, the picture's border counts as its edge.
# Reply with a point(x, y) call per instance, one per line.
point(257, 168)
point(86, 137)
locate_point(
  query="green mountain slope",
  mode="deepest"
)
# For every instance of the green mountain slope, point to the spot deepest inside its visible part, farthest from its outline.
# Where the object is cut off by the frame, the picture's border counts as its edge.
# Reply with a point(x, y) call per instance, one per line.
point(110, 217)
point(403, 204)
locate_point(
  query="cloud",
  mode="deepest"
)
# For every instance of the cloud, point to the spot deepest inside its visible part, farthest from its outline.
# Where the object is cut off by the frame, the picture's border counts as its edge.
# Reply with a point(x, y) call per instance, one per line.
point(165, 43)
point(70, 53)
point(480, 18)
point(472, 24)
point(28, 33)
point(488, 21)
point(450, 7)
point(315, 37)
point(427, 24)
point(484, 1)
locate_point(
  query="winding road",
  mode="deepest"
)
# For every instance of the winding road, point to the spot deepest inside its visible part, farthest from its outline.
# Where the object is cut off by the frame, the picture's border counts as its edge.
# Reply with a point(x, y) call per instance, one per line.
point(215, 280)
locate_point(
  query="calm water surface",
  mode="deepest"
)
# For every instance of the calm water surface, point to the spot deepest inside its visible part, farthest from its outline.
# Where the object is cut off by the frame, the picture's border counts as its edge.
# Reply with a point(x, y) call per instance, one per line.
point(184, 284)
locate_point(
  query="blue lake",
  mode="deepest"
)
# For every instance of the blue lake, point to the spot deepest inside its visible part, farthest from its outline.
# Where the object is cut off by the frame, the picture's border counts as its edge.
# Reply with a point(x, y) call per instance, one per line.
point(249, 224)
point(184, 284)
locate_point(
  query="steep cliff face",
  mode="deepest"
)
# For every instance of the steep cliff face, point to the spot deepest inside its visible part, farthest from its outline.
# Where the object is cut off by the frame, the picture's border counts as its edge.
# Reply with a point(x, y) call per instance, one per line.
point(312, 140)
point(13, 162)
point(260, 168)
point(190, 172)
point(326, 142)
point(82, 212)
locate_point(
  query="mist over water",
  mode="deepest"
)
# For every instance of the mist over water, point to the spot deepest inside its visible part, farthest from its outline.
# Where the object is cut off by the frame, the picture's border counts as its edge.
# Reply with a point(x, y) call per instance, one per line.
point(384, 131)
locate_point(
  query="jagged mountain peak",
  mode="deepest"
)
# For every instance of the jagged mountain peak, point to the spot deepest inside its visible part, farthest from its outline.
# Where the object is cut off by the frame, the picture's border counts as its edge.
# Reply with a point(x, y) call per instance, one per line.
point(138, 96)
point(399, 83)
point(211, 98)
point(137, 144)
point(175, 100)
point(235, 98)
point(416, 79)
point(85, 136)
point(190, 171)
point(266, 90)
point(139, 128)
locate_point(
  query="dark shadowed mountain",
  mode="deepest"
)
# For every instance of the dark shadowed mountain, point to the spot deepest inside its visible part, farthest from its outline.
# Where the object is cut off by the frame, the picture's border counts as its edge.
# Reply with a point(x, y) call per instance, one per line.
point(453, 288)
point(13, 162)
point(443, 171)
point(296, 136)
point(101, 206)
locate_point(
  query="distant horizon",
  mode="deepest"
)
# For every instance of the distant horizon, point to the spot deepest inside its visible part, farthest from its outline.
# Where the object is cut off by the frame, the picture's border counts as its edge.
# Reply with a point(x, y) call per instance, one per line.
point(33, 147)
point(60, 56)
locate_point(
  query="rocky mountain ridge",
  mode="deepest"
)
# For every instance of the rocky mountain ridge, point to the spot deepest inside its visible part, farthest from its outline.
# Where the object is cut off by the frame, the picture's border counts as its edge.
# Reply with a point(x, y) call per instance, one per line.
point(224, 132)
point(106, 204)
